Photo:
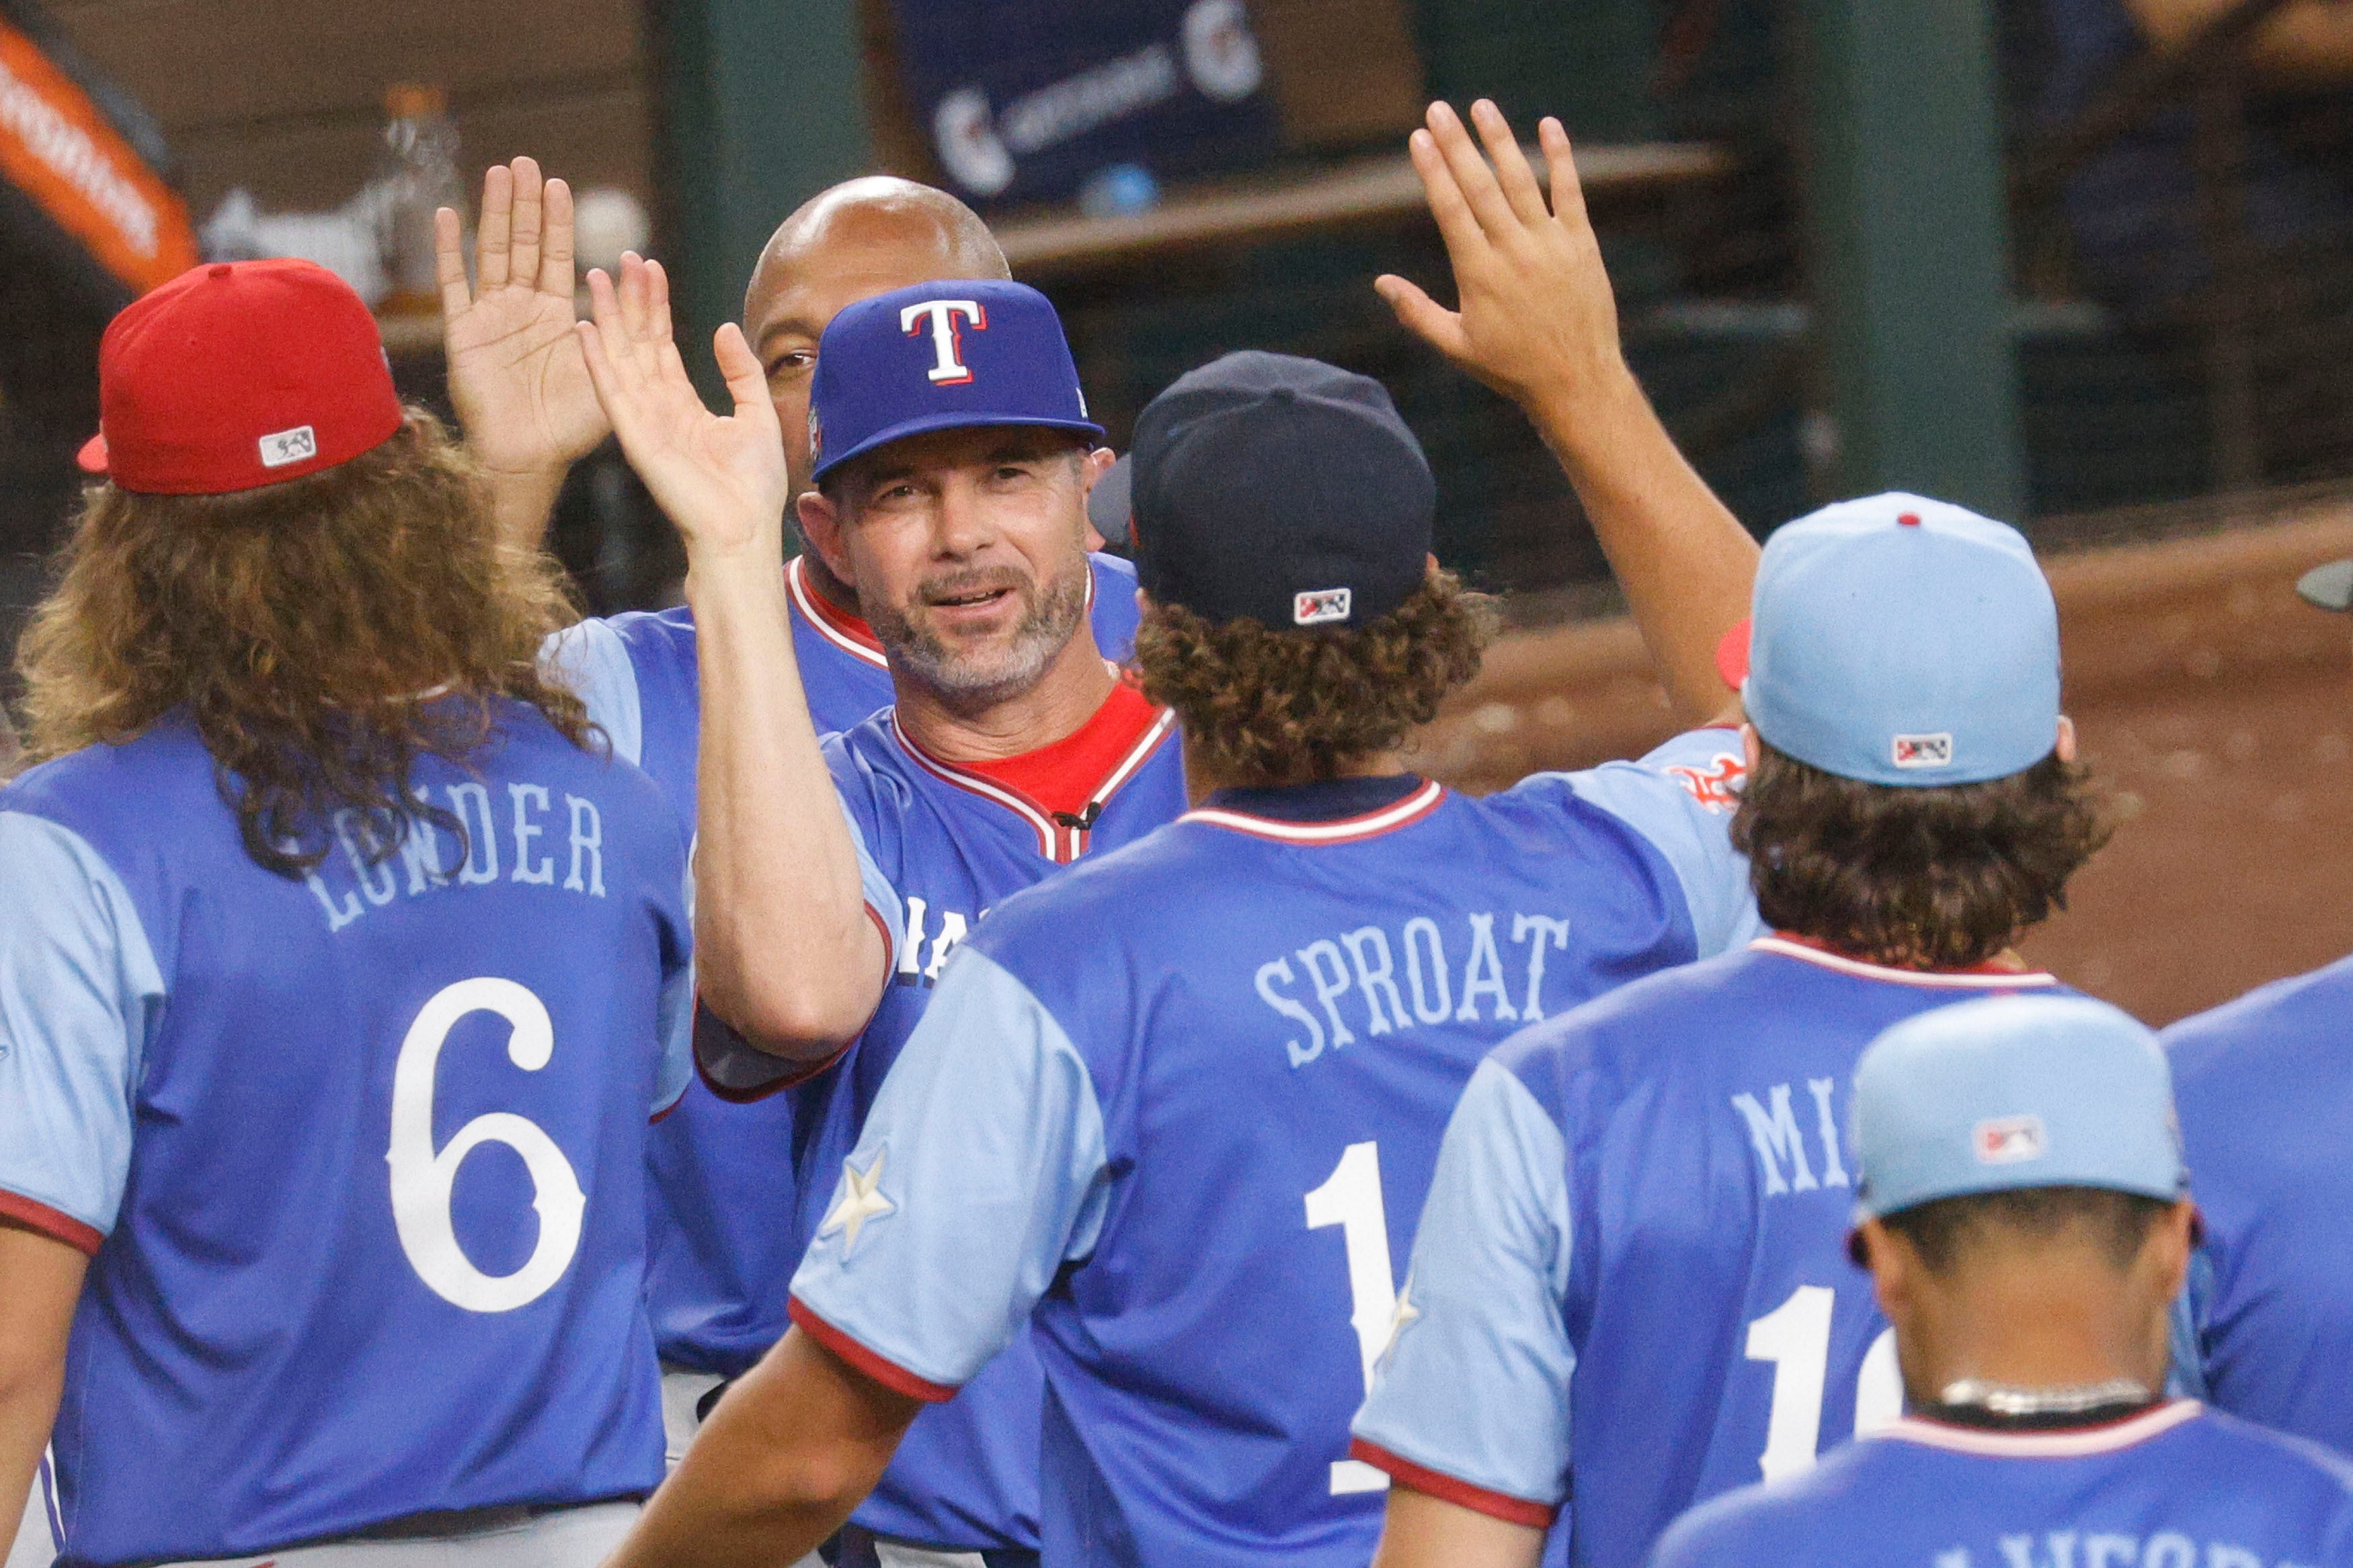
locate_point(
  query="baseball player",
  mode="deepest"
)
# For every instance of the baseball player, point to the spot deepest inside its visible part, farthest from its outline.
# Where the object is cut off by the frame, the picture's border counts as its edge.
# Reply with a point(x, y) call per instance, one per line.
point(953, 457)
point(1628, 1292)
point(2268, 1317)
point(340, 969)
point(722, 1251)
point(1199, 1147)
point(2021, 1204)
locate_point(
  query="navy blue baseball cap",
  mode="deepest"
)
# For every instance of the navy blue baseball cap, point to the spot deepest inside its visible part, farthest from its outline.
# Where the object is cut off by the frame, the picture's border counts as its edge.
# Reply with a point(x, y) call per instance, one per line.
point(1281, 488)
point(941, 356)
point(1901, 641)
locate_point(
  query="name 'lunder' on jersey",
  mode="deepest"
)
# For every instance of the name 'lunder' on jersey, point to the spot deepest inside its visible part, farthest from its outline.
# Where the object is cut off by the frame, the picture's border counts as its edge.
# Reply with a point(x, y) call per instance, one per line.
point(359, 1157)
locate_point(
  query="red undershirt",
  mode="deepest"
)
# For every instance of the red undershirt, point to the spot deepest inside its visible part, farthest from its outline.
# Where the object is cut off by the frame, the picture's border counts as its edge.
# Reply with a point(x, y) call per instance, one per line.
point(1062, 776)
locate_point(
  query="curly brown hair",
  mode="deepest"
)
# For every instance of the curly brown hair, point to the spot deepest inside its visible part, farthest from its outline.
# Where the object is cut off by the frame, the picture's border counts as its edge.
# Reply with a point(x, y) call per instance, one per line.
point(298, 627)
point(1262, 708)
point(1942, 1231)
point(1941, 877)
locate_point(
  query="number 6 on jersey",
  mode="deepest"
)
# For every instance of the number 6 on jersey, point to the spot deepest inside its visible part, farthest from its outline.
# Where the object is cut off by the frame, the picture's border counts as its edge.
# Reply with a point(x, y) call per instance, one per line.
point(423, 1178)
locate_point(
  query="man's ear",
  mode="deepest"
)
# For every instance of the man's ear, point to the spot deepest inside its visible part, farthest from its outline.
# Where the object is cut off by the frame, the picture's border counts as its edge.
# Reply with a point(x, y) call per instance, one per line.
point(2066, 746)
point(820, 521)
point(1096, 464)
point(1749, 747)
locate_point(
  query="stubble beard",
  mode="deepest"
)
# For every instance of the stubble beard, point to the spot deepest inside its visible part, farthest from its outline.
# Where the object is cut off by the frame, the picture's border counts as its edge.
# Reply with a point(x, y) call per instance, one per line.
point(969, 680)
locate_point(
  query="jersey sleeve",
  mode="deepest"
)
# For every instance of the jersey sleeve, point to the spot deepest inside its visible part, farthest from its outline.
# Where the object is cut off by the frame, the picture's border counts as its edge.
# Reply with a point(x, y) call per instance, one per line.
point(981, 1171)
point(1470, 1403)
point(737, 1070)
point(1681, 798)
point(78, 985)
point(674, 1015)
point(593, 662)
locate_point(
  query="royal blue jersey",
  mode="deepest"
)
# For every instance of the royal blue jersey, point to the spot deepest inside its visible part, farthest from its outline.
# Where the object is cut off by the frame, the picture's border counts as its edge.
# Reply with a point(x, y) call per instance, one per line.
point(724, 1242)
point(2178, 1487)
point(2266, 1094)
point(359, 1157)
point(1631, 1289)
point(1195, 1152)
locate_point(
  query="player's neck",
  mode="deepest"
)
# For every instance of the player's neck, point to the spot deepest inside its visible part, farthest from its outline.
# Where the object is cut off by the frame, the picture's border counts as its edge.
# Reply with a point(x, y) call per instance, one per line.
point(2033, 1322)
point(1203, 780)
point(1065, 695)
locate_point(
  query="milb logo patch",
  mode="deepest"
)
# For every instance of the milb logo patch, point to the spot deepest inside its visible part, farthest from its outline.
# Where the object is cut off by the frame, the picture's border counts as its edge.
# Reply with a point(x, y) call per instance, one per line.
point(1321, 605)
point(1923, 751)
point(299, 445)
point(2007, 1140)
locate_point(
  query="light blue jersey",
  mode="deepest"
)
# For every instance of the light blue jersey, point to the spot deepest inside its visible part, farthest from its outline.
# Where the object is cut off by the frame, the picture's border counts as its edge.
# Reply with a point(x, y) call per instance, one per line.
point(2178, 1487)
point(1630, 1291)
point(2264, 1091)
point(359, 1157)
point(1194, 1155)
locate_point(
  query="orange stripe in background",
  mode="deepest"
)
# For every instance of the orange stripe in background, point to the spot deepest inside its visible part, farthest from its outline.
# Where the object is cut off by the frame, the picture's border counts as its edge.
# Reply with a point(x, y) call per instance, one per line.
point(60, 150)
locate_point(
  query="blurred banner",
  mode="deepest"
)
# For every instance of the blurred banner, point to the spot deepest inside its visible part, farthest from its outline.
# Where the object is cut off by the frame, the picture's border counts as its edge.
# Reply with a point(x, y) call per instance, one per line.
point(1031, 99)
point(78, 173)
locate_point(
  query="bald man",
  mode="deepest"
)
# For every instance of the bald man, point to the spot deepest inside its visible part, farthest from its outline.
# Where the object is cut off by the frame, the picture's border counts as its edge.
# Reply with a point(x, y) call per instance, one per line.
point(722, 1242)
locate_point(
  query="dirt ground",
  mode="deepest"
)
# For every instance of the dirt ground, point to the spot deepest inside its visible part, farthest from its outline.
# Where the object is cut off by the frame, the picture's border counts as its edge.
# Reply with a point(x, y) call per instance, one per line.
point(2215, 706)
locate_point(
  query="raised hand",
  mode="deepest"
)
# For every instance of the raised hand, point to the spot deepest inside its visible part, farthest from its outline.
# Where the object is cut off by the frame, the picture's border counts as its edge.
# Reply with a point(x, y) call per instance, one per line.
point(721, 480)
point(516, 377)
point(1536, 318)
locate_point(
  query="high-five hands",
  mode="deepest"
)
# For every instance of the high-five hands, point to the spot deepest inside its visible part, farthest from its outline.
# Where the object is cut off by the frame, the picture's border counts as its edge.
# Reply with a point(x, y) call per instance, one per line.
point(721, 480)
point(516, 377)
point(1536, 318)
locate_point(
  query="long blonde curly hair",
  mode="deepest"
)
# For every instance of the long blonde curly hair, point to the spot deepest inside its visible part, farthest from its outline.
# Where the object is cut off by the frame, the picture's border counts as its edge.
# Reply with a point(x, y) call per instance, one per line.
point(321, 635)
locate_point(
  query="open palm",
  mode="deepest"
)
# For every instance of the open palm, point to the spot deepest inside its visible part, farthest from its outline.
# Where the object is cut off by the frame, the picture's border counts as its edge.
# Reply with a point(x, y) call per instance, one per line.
point(521, 387)
point(721, 479)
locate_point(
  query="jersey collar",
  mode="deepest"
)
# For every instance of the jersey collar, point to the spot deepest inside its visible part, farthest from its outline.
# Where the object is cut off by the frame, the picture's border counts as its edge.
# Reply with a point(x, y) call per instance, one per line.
point(848, 632)
point(837, 625)
point(1422, 797)
point(1980, 977)
point(2063, 1444)
point(1080, 772)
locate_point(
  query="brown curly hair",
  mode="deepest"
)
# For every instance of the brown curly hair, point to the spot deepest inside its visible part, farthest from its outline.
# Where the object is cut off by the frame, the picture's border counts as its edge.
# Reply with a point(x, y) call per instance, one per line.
point(298, 627)
point(1262, 708)
point(1940, 877)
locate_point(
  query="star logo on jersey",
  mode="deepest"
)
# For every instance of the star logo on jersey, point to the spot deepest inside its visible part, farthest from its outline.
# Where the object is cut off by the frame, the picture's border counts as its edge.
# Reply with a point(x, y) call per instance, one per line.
point(861, 1200)
point(1715, 786)
point(1403, 1317)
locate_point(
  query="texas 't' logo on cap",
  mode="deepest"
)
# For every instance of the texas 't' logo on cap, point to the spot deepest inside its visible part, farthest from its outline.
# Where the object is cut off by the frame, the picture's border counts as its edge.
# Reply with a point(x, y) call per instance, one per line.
point(947, 338)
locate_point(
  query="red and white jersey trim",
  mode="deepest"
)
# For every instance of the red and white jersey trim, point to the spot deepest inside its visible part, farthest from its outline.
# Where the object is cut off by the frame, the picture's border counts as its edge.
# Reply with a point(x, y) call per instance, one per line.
point(2059, 1444)
point(1059, 839)
point(1956, 980)
point(1343, 830)
point(827, 622)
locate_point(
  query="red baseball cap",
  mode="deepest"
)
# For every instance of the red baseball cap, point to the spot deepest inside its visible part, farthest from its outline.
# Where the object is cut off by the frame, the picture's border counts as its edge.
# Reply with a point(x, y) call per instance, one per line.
point(237, 375)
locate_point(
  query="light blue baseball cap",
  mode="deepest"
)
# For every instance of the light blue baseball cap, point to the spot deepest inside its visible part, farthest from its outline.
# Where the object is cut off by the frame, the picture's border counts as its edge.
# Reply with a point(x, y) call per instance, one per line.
point(2014, 1091)
point(1901, 641)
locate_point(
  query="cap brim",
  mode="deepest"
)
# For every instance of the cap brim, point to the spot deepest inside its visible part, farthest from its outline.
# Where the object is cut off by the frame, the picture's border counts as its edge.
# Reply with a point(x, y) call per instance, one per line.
point(92, 456)
point(1110, 505)
point(931, 422)
point(1732, 654)
point(2328, 587)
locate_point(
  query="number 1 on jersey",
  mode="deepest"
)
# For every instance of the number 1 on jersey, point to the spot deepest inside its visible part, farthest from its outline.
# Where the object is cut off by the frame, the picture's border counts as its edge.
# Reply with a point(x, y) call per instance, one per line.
point(1351, 1199)
point(1795, 1338)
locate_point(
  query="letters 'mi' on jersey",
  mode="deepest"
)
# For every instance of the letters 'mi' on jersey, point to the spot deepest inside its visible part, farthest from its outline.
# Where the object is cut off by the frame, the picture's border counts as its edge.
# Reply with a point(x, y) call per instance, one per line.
point(1630, 1291)
point(2269, 1299)
point(359, 1158)
point(2145, 1493)
point(1202, 1148)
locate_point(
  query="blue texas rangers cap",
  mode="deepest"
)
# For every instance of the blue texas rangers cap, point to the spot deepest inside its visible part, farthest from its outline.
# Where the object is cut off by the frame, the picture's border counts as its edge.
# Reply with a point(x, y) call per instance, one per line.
point(1282, 488)
point(941, 356)
point(2014, 1091)
point(1901, 641)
